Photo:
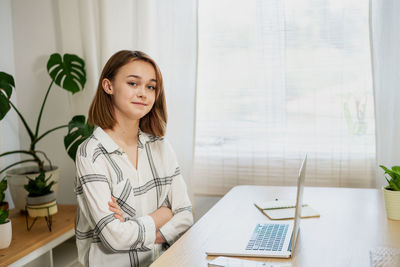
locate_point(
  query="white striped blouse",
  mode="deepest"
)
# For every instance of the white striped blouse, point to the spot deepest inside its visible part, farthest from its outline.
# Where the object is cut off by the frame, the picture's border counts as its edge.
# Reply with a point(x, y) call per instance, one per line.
point(103, 169)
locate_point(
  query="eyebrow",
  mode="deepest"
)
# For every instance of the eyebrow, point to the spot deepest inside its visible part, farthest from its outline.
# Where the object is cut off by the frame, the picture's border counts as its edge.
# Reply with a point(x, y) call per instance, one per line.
point(138, 77)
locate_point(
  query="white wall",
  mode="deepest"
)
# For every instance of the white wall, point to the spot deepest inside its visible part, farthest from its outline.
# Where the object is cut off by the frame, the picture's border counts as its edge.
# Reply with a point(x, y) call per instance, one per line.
point(8, 126)
point(34, 30)
point(42, 27)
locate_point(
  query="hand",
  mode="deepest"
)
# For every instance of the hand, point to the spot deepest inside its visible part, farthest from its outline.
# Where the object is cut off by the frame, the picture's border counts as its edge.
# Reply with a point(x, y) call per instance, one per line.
point(159, 238)
point(161, 216)
point(113, 206)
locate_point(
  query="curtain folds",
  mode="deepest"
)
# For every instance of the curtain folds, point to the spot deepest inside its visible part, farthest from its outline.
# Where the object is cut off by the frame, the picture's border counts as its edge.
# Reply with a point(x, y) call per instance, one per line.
point(166, 30)
point(385, 43)
point(277, 79)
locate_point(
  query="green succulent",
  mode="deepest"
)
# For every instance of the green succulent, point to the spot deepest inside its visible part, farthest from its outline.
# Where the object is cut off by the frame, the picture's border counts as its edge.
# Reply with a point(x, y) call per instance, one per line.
point(39, 186)
point(394, 180)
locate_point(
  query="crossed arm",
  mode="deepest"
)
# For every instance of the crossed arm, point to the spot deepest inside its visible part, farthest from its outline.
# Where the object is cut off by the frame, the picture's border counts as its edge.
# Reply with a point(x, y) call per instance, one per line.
point(160, 217)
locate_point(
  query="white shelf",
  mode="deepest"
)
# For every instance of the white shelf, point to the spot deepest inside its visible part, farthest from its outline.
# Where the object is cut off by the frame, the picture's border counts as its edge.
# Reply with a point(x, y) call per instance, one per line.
point(66, 254)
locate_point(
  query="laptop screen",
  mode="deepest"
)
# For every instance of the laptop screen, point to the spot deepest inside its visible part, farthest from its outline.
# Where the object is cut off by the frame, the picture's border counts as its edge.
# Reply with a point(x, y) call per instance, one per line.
point(299, 200)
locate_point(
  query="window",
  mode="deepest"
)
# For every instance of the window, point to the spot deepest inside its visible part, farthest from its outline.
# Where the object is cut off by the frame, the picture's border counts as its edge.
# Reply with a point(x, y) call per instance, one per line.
point(277, 79)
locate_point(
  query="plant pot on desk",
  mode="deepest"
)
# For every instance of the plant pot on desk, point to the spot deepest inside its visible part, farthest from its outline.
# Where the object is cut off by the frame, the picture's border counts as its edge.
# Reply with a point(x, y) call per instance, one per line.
point(392, 203)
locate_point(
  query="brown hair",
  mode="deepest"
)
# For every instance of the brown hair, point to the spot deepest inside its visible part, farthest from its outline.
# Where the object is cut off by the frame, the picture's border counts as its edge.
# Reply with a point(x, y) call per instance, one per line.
point(101, 112)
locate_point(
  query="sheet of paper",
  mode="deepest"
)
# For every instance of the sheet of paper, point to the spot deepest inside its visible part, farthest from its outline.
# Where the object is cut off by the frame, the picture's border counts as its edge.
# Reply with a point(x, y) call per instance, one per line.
point(277, 204)
point(279, 214)
point(236, 262)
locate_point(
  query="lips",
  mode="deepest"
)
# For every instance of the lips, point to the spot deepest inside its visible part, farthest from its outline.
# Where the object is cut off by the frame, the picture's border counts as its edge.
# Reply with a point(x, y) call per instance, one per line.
point(139, 103)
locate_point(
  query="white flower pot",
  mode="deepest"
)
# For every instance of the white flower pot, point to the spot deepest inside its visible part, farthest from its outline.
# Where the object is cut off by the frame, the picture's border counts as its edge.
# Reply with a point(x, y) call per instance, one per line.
point(16, 179)
point(392, 203)
point(5, 234)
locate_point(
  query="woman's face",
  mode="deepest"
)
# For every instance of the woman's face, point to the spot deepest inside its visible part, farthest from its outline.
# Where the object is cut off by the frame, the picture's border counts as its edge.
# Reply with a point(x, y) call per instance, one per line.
point(133, 90)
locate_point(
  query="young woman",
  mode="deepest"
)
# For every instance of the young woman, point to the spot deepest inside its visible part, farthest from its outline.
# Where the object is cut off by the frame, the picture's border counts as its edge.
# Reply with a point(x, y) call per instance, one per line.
point(131, 194)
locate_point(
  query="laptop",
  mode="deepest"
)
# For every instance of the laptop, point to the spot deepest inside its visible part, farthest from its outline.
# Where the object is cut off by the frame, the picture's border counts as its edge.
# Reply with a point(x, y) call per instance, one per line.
point(264, 239)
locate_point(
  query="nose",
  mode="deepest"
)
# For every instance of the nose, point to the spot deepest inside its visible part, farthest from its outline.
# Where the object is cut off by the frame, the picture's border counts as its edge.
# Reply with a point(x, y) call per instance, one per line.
point(141, 91)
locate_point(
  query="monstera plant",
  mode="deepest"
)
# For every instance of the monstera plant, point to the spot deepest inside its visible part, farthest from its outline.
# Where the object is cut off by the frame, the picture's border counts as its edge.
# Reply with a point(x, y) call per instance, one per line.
point(67, 72)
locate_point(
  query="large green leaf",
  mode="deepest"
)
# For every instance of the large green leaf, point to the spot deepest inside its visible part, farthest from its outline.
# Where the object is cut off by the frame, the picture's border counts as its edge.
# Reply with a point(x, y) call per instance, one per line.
point(6, 85)
point(67, 72)
point(393, 185)
point(78, 131)
point(394, 182)
point(396, 169)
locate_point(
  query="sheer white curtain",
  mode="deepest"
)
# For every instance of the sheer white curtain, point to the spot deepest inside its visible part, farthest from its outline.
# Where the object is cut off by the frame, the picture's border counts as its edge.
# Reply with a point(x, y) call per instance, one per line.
point(277, 79)
point(166, 30)
point(385, 41)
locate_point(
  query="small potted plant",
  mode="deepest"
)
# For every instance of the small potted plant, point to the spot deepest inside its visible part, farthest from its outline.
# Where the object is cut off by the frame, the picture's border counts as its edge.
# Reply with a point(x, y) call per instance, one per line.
point(391, 192)
point(5, 222)
point(68, 73)
point(41, 200)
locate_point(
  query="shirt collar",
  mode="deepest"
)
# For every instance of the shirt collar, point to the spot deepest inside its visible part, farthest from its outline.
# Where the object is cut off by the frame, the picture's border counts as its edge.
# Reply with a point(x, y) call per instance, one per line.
point(142, 138)
point(106, 140)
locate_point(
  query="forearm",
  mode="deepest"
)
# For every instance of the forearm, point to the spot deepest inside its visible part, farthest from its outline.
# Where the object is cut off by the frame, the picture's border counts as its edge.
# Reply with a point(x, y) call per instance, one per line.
point(175, 227)
point(161, 217)
point(117, 235)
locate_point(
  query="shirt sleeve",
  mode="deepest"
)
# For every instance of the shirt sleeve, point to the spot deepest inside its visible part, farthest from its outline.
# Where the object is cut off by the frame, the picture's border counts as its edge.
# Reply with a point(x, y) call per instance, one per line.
point(94, 194)
point(180, 205)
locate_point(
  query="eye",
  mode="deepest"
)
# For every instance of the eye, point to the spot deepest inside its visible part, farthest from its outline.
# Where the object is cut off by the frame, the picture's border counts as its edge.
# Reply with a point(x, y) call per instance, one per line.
point(151, 87)
point(132, 83)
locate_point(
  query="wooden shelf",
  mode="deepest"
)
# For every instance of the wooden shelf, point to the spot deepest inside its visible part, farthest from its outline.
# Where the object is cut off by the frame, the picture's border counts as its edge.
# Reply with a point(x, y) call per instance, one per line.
point(29, 245)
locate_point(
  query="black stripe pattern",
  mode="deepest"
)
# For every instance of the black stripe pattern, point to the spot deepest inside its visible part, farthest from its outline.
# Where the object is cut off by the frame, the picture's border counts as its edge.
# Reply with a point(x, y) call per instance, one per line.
point(154, 172)
point(122, 200)
point(189, 208)
point(83, 235)
point(100, 150)
point(88, 179)
point(151, 184)
point(133, 258)
point(154, 182)
point(92, 178)
point(83, 146)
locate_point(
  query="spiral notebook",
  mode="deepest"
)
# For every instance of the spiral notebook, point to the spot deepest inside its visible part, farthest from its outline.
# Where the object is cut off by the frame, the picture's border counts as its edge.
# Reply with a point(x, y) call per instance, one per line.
point(283, 210)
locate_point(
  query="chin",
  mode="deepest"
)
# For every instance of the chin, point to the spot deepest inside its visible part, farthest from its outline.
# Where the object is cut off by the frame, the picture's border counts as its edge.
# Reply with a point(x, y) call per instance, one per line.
point(139, 115)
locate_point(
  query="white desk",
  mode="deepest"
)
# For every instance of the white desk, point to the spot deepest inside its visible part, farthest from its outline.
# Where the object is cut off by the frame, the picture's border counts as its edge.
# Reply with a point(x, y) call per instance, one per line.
point(352, 222)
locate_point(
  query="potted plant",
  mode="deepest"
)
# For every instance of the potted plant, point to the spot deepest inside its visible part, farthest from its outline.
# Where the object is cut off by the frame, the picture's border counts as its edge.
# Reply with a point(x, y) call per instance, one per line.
point(391, 192)
point(41, 200)
point(5, 222)
point(68, 72)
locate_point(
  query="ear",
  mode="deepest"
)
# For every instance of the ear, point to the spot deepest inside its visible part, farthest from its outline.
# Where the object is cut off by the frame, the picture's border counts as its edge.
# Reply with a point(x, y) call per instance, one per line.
point(107, 86)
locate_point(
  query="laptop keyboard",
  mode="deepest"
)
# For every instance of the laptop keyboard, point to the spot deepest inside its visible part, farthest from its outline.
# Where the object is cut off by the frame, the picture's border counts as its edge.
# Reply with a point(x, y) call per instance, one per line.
point(269, 237)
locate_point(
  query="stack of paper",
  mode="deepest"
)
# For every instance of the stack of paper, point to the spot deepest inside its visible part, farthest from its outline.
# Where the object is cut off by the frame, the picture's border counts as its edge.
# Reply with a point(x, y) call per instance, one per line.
point(282, 210)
